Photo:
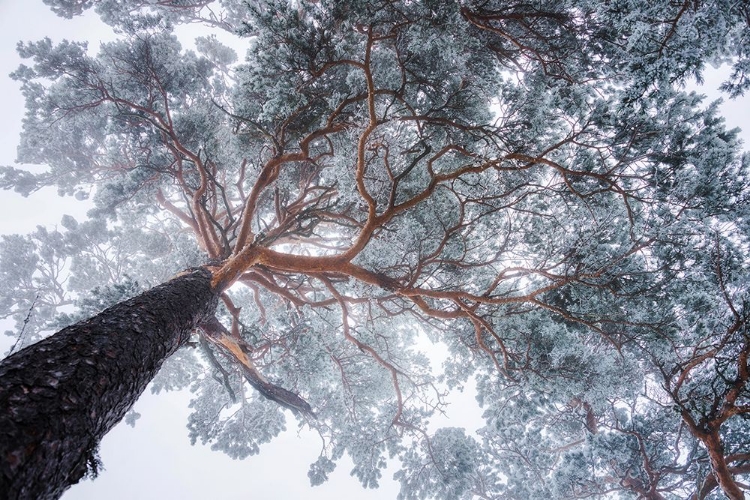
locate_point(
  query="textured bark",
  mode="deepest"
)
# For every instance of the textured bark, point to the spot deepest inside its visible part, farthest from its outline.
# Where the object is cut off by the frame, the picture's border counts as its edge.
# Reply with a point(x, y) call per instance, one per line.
point(60, 396)
point(723, 476)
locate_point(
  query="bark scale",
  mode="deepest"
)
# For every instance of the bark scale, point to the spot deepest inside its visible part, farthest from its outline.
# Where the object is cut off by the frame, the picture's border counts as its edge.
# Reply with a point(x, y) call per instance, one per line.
point(60, 396)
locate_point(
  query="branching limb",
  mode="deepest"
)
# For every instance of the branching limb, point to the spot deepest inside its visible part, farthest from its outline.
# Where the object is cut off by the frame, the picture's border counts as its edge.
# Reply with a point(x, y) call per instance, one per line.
point(224, 380)
point(238, 350)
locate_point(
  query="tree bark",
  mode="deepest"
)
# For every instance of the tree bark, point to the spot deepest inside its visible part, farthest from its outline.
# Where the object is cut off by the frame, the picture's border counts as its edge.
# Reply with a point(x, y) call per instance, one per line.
point(60, 396)
point(721, 472)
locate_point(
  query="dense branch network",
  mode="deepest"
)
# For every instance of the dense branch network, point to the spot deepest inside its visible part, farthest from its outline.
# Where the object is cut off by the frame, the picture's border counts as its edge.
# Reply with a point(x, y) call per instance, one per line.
point(531, 174)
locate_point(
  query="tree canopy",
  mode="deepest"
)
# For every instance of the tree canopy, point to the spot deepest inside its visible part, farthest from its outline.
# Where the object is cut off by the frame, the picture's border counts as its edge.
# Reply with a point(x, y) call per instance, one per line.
point(523, 182)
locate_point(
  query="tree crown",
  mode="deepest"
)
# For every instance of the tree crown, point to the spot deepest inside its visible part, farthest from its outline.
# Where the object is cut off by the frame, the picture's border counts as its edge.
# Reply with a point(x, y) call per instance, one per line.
point(522, 182)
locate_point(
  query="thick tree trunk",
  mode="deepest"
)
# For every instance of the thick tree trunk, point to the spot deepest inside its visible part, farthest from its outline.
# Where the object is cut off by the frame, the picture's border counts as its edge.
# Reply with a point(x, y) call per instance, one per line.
point(60, 396)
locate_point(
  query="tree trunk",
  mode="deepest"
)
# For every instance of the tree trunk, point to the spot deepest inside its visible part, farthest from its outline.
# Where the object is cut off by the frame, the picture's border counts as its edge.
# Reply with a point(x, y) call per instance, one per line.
point(60, 396)
point(721, 472)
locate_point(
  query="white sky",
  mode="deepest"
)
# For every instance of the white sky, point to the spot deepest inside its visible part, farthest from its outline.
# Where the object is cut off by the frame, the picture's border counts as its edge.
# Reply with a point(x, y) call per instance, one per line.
point(155, 459)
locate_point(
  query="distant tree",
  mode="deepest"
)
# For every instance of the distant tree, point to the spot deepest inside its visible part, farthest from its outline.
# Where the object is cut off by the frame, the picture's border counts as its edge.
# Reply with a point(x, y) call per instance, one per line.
point(522, 182)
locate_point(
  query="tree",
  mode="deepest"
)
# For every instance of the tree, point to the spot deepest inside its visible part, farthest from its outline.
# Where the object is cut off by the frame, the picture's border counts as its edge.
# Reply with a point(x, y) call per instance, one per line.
point(64, 393)
point(523, 182)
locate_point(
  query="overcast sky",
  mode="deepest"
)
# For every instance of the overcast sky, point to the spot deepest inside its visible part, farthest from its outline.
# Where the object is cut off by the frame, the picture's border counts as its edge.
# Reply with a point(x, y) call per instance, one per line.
point(155, 459)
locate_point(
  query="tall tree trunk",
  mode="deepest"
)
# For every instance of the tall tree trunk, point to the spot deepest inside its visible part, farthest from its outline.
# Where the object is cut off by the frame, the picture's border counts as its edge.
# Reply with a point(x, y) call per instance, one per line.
point(60, 396)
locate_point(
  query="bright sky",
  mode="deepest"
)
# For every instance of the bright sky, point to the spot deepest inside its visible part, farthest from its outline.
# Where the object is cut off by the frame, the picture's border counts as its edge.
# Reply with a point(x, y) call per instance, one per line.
point(155, 459)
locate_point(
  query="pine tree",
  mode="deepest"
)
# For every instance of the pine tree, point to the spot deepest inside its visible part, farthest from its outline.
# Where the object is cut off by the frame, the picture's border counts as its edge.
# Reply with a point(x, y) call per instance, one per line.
point(523, 182)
